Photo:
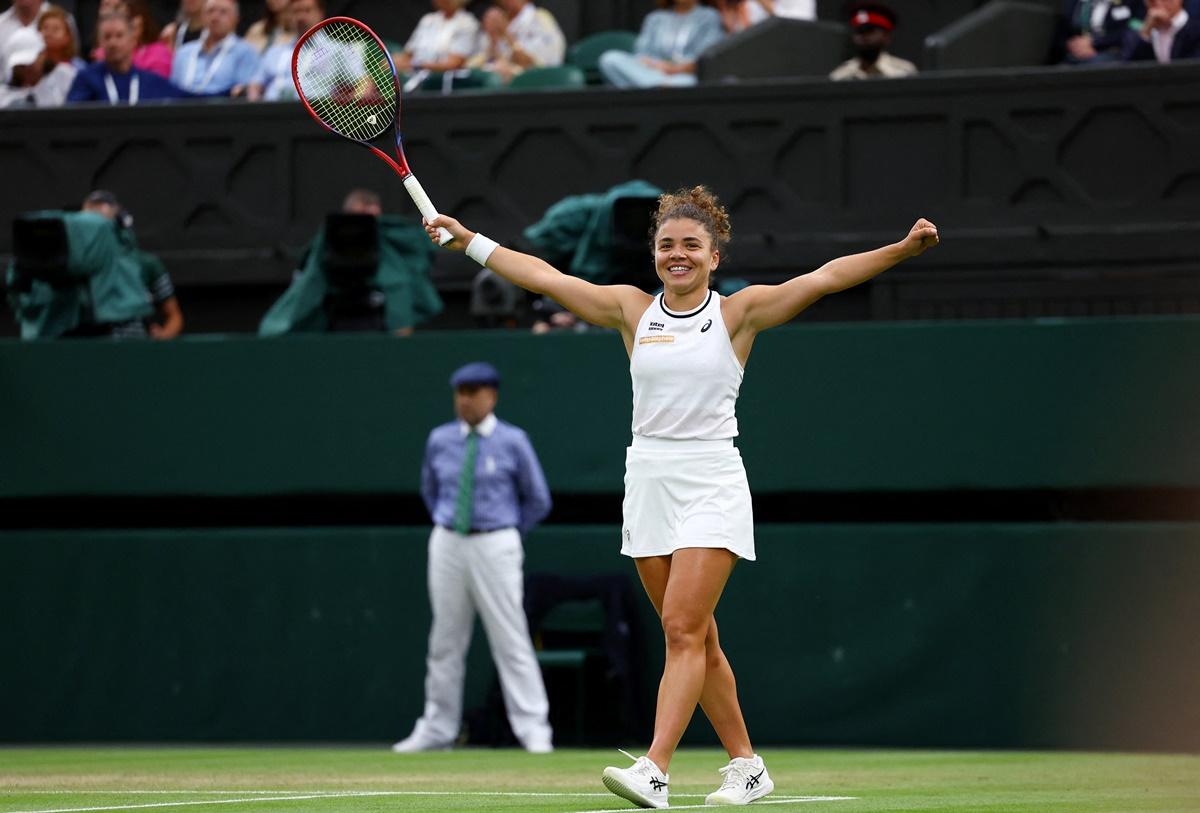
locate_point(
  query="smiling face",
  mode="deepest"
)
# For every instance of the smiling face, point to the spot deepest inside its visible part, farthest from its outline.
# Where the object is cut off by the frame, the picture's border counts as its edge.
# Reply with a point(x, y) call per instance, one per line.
point(684, 255)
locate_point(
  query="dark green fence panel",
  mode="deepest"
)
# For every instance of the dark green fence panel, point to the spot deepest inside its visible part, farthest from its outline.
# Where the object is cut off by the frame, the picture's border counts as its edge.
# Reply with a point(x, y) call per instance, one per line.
point(958, 635)
point(913, 406)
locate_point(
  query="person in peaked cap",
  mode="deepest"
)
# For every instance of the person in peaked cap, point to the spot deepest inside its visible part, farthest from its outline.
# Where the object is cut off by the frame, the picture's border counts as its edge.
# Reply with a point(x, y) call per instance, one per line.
point(871, 27)
point(484, 488)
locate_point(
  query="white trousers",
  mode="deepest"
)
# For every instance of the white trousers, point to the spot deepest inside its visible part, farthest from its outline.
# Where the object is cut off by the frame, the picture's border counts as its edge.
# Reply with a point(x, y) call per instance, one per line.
point(480, 573)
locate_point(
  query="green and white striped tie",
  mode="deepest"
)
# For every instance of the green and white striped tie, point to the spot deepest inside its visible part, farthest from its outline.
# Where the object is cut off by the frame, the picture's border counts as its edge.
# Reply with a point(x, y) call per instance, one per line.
point(464, 505)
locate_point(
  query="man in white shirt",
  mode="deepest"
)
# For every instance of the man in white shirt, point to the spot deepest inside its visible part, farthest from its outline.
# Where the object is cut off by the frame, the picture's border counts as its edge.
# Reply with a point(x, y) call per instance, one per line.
point(517, 36)
point(220, 60)
point(442, 41)
point(23, 15)
point(1168, 34)
point(872, 25)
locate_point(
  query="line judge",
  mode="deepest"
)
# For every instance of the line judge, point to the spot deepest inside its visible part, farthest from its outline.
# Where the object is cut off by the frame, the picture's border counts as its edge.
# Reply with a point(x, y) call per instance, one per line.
point(484, 488)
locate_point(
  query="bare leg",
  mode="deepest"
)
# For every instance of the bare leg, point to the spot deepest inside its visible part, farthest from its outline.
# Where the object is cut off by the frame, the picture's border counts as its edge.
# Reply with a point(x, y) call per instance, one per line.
point(684, 589)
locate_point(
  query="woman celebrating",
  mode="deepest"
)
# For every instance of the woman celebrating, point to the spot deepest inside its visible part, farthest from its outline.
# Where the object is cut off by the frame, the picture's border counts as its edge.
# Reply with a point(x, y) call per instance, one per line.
point(687, 512)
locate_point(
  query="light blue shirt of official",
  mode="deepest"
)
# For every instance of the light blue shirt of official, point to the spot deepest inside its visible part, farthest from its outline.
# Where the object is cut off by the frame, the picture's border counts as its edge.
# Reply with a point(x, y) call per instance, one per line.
point(675, 37)
point(232, 62)
point(274, 73)
point(510, 489)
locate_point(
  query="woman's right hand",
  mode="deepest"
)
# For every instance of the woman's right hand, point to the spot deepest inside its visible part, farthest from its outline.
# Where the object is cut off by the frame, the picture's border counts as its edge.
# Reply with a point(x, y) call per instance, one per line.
point(462, 235)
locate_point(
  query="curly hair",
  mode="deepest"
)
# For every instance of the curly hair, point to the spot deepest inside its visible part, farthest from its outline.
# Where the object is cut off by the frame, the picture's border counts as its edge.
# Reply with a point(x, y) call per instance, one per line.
point(696, 204)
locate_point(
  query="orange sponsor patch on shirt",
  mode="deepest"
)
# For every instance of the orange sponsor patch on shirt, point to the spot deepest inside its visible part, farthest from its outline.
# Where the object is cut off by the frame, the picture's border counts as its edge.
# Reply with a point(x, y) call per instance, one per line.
point(656, 340)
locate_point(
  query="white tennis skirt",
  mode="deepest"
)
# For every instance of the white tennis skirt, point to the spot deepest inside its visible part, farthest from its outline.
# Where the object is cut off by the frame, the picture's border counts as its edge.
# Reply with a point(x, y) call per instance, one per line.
point(685, 494)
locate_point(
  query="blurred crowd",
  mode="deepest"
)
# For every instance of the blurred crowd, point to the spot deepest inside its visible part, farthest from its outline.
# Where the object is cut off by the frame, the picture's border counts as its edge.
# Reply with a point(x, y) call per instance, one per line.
point(131, 56)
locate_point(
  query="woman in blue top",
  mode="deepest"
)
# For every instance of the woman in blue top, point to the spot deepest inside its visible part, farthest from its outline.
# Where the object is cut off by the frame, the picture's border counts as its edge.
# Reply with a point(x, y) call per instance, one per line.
point(687, 513)
point(670, 41)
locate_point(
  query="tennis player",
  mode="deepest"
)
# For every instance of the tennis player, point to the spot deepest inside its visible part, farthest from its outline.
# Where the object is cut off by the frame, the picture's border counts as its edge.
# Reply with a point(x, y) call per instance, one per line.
point(687, 513)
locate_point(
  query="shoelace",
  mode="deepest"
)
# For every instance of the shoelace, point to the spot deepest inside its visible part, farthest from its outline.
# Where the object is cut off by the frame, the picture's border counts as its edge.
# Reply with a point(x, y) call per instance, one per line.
point(736, 773)
point(642, 765)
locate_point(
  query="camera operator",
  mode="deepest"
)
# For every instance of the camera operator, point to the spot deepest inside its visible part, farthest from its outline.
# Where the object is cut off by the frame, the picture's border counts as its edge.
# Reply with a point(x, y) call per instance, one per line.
point(76, 274)
point(167, 321)
point(364, 271)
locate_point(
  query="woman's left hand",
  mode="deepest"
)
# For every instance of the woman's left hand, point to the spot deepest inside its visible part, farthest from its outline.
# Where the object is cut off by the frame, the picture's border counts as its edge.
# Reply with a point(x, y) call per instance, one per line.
point(922, 236)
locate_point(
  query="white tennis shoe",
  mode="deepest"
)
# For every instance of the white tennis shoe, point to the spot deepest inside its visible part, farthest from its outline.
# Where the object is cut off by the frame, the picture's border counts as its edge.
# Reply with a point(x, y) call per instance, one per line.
point(643, 783)
point(744, 781)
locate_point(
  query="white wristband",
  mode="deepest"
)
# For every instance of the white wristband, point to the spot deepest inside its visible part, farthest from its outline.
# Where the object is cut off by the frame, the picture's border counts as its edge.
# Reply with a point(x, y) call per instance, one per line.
point(480, 248)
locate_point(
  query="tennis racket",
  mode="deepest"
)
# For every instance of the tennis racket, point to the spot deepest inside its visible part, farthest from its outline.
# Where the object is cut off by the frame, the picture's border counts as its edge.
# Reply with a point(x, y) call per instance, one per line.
point(347, 82)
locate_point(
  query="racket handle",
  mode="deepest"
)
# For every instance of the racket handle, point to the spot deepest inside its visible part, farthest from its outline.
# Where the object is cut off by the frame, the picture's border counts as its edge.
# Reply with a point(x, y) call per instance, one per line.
point(417, 192)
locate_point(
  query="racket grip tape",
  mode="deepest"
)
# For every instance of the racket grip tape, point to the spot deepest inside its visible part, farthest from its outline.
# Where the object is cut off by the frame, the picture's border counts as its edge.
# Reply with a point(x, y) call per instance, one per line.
point(417, 193)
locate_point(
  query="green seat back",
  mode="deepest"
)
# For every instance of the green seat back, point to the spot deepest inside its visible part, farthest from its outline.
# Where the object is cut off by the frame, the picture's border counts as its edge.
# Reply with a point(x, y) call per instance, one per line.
point(563, 76)
point(585, 54)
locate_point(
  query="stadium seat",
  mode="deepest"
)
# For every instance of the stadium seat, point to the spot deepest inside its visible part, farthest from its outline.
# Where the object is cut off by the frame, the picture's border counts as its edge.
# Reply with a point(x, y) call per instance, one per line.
point(562, 76)
point(1001, 34)
point(453, 81)
point(776, 47)
point(585, 54)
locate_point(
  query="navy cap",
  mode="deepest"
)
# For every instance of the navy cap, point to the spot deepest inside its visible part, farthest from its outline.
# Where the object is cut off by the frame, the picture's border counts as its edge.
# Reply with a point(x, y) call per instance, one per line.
point(479, 373)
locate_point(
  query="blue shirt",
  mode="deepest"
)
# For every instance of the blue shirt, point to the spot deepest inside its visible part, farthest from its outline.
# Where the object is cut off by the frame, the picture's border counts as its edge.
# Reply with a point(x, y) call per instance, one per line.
point(232, 62)
point(90, 86)
point(510, 489)
point(675, 37)
point(274, 72)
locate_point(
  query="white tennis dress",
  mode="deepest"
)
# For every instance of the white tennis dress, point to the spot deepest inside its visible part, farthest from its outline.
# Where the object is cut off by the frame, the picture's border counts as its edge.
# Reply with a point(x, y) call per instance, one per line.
point(685, 485)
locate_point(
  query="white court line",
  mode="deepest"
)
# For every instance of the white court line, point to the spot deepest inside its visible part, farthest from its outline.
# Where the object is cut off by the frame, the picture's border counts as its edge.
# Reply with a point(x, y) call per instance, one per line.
point(353, 794)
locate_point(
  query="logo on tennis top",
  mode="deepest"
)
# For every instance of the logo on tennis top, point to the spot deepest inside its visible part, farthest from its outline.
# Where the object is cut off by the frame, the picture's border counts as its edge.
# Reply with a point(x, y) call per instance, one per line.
point(664, 339)
point(707, 325)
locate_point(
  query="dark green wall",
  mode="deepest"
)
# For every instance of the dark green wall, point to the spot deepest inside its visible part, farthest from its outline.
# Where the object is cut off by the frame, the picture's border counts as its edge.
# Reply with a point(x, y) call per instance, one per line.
point(983, 635)
point(881, 407)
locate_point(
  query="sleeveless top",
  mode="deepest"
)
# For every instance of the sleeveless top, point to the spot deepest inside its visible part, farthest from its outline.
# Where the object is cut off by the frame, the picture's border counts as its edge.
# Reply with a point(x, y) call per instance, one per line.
point(685, 374)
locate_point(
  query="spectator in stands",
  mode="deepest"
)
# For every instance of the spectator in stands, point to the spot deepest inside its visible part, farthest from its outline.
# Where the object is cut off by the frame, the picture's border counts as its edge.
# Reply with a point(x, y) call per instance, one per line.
point(58, 34)
point(518, 35)
point(872, 25)
point(41, 65)
point(667, 47)
point(1094, 30)
point(443, 40)
point(275, 28)
point(220, 59)
point(1168, 34)
point(273, 79)
point(167, 321)
point(116, 80)
point(150, 54)
point(738, 15)
point(484, 488)
point(187, 26)
point(25, 14)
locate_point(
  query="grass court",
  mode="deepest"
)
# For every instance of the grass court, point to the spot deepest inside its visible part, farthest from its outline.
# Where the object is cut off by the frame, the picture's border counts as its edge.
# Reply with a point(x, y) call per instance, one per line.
point(358, 779)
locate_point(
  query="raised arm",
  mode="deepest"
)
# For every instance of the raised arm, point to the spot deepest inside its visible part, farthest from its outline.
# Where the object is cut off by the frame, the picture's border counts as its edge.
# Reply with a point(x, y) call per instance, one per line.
point(759, 307)
point(612, 306)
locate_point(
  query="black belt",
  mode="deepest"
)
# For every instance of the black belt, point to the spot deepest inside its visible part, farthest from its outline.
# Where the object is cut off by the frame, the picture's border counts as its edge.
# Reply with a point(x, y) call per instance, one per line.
point(474, 531)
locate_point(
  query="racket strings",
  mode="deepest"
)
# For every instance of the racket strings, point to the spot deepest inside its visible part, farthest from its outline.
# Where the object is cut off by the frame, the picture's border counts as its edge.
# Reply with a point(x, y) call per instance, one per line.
point(347, 80)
